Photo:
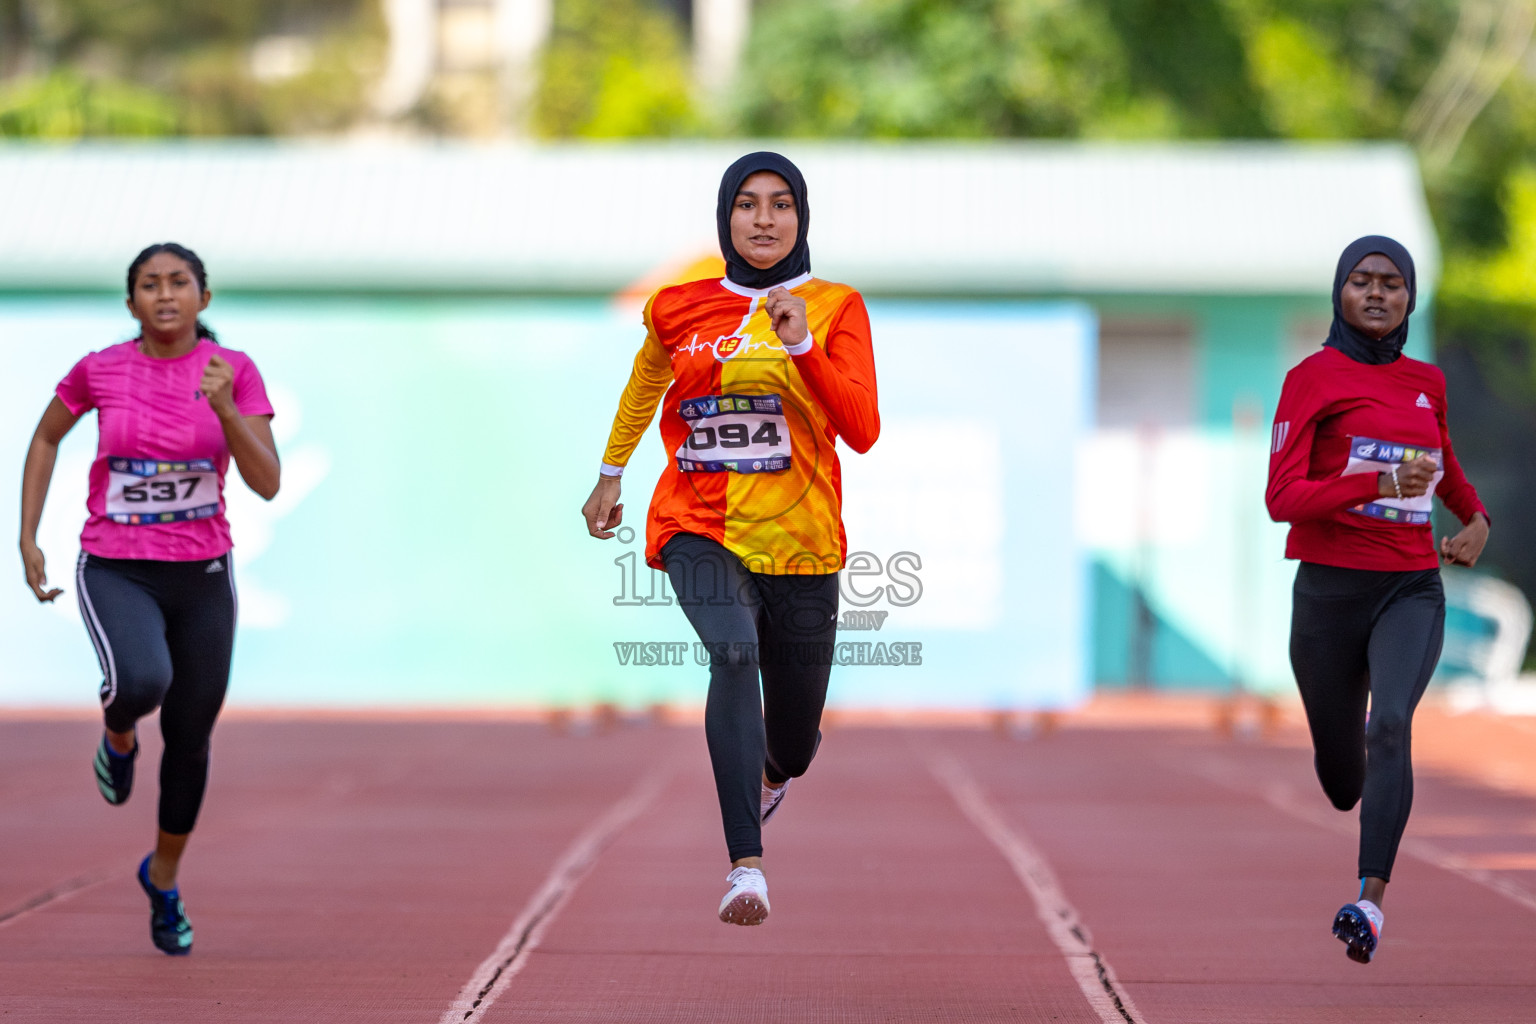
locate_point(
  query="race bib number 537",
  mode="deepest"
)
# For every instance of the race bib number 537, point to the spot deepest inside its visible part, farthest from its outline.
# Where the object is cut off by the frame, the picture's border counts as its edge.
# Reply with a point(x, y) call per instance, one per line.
point(734, 434)
point(145, 491)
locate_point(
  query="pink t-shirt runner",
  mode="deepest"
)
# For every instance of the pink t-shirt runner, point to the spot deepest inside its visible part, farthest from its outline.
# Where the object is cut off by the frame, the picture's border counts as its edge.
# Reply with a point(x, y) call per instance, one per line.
point(157, 484)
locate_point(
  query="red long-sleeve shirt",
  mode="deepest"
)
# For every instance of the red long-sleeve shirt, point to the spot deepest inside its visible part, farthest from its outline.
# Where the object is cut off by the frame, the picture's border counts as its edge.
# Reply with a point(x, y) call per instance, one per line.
point(1338, 425)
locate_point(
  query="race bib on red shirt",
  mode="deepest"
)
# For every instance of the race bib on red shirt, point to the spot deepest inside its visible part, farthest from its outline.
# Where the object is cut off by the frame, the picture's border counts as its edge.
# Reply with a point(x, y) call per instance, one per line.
point(1370, 455)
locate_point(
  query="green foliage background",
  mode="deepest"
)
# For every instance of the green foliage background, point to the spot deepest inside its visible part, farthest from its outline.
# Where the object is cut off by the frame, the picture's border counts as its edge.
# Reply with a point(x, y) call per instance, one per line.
point(1177, 69)
point(876, 69)
point(615, 69)
point(74, 69)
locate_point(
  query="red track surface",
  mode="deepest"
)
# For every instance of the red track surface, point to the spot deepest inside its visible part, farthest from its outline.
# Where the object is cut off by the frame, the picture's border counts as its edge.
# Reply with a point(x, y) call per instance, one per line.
point(364, 871)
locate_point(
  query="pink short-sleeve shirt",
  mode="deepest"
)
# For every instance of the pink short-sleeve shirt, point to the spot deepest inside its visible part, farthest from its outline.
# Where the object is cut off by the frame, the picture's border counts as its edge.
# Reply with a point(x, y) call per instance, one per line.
point(157, 484)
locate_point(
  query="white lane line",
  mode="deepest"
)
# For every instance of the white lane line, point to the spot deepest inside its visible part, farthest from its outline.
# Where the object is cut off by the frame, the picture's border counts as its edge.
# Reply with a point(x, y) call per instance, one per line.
point(1283, 797)
point(493, 976)
point(58, 894)
point(1095, 977)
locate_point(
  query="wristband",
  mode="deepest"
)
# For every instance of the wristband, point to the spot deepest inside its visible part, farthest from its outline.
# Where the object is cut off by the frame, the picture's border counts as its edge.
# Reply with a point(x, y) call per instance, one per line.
point(802, 348)
point(1395, 486)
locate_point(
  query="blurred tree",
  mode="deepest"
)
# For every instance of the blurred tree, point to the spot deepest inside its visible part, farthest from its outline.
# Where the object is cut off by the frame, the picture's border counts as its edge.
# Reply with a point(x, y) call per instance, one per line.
point(1305, 91)
point(1488, 301)
point(1192, 53)
point(614, 69)
point(67, 106)
point(1324, 69)
point(246, 67)
point(1443, 75)
point(13, 30)
point(935, 69)
point(1456, 79)
point(1232, 69)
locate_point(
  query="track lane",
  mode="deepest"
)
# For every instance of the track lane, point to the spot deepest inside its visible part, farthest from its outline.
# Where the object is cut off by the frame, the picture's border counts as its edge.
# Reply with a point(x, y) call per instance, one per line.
point(1063, 923)
point(1214, 904)
point(342, 871)
point(888, 904)
point(522, 939)
point(57, 835)
point(359, 871)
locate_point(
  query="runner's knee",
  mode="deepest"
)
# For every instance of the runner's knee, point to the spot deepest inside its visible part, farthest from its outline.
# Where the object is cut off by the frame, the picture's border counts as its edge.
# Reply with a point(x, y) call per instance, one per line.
point(1386, 738)
point(136, 690)
point(1343, 799)
point(790, 764)
point(1342, 783)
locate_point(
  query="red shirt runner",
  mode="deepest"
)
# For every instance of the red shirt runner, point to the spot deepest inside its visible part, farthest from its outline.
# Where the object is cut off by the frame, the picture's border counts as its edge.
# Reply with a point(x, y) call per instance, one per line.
point(1338, 425)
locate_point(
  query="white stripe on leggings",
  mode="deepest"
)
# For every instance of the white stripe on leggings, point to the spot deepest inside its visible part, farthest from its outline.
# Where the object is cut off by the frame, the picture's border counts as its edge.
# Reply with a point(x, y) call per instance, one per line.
point(234, 596)
point(98, 635)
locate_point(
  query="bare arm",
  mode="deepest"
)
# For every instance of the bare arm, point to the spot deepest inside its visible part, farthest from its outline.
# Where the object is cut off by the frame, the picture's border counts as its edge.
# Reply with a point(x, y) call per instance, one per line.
point(249, 437)
point(254, 451)
point(36, 475)
point(1467, 546)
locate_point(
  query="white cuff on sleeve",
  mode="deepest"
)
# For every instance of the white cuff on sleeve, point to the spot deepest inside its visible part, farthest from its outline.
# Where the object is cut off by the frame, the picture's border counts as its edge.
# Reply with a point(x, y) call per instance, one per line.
point(802, 348)
point(607, 470)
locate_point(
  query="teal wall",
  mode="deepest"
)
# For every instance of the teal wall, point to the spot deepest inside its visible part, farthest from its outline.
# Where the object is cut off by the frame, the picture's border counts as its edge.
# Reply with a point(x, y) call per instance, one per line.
point(1241, 345)
point(1245, 348)
point(1203, 602)
point(427, 546)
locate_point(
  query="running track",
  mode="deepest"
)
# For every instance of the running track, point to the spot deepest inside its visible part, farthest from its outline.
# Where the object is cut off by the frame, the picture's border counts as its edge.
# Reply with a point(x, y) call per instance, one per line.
point(382, 871)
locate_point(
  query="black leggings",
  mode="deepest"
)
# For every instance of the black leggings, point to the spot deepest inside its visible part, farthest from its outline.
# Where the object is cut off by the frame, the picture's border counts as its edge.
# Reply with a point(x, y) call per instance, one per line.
point(1358, 633)
point(164, 632)
point(785, 626)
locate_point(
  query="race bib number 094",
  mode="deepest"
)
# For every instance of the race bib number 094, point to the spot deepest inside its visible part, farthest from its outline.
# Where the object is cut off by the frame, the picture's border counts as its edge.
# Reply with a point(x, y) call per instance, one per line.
point(145, 491)
point(734, 434)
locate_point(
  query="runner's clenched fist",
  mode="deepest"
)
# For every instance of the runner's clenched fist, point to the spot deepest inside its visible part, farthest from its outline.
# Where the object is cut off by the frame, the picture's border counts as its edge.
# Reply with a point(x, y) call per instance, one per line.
point(786, 315)
point(217, 386)
point(1413, 478)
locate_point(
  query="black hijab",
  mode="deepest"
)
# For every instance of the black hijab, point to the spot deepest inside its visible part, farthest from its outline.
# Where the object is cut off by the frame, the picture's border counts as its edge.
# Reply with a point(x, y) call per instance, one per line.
point(798, 260)
point(1352, 341)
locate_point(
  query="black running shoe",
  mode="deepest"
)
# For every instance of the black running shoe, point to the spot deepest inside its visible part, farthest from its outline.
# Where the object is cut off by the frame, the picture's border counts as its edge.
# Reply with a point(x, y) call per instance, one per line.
point(114, 772)
point(168, 924)
point(1354, 929)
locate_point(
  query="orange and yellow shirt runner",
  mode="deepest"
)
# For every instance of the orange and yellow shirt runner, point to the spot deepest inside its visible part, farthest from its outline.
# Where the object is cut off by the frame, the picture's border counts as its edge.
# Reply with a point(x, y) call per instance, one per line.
point(750, 428)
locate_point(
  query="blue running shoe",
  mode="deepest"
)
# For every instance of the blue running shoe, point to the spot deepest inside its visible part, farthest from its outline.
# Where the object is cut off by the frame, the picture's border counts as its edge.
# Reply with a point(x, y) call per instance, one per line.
point(168, 924)
point(114, 772)
point(1355, 930)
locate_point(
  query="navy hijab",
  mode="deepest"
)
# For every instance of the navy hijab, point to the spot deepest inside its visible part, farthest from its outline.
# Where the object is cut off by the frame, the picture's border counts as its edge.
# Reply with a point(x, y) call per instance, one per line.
point(798, 260)
point(1350, 340)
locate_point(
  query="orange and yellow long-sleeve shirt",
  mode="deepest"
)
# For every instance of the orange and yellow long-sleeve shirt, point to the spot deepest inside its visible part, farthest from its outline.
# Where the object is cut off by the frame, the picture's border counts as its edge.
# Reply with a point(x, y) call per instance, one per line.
point(750, 424)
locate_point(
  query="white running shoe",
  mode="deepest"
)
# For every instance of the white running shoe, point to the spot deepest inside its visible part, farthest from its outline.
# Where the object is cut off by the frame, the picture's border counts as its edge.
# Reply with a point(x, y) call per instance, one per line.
point(771, 798)
point(747, 902)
